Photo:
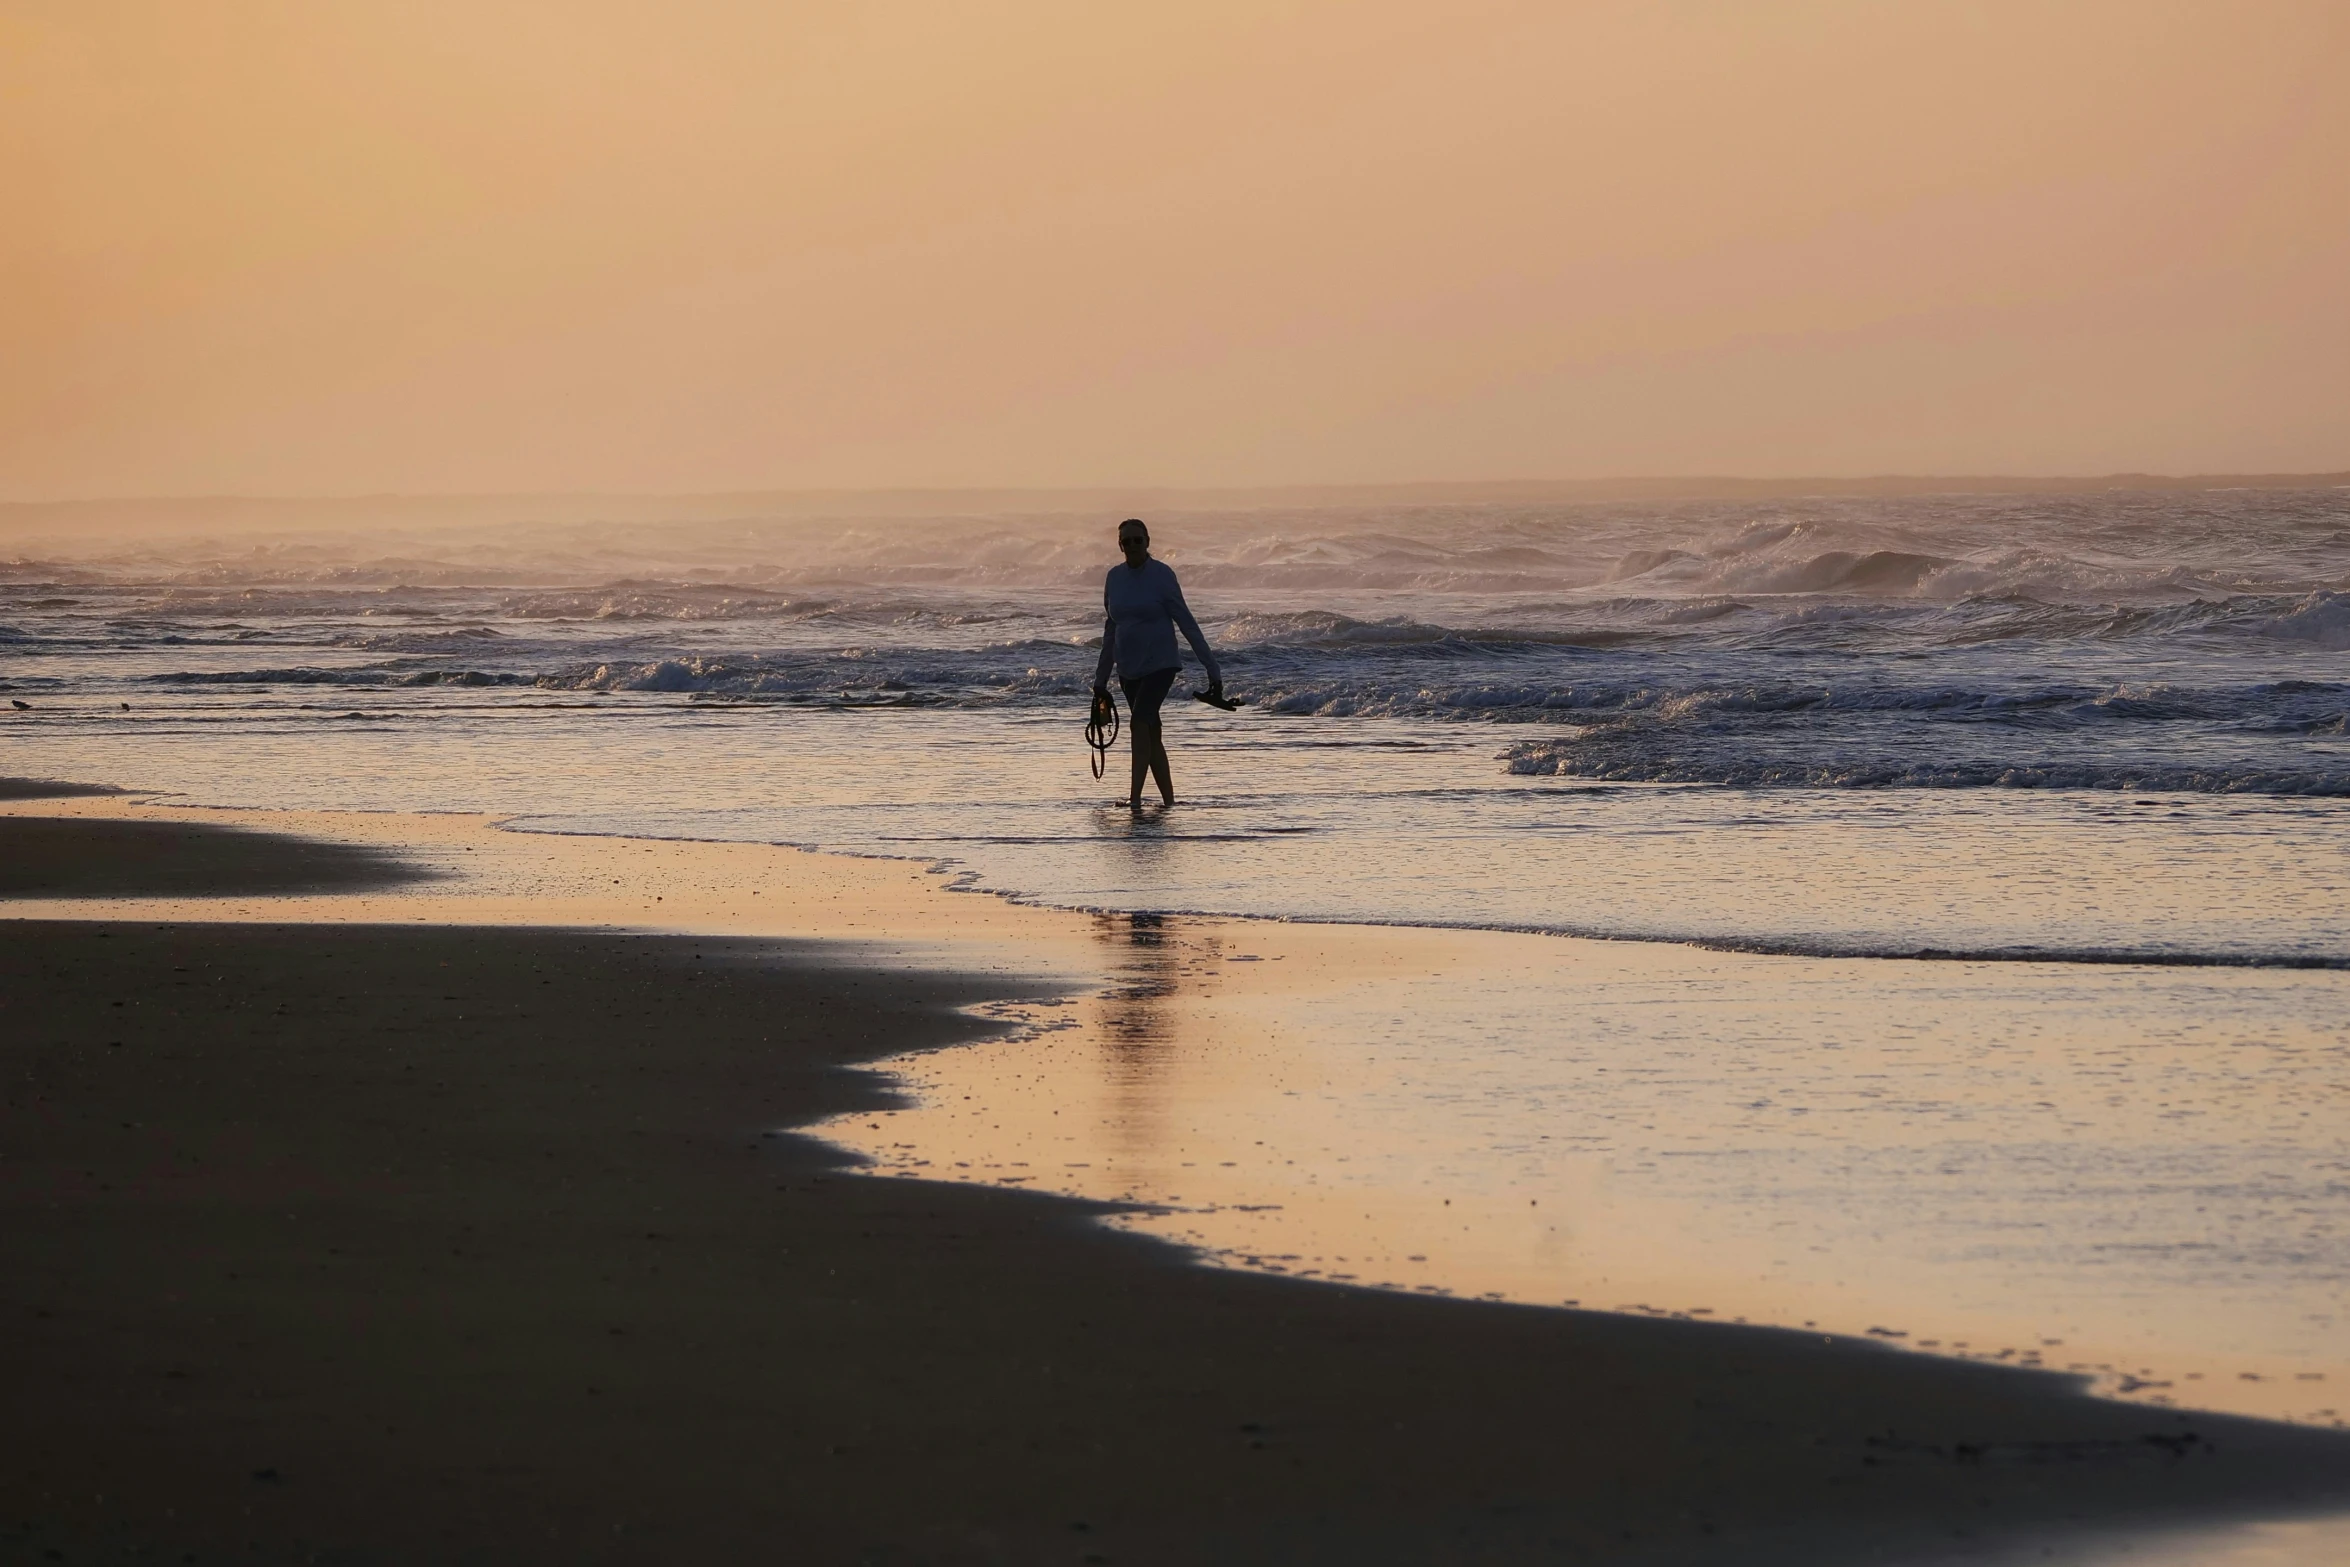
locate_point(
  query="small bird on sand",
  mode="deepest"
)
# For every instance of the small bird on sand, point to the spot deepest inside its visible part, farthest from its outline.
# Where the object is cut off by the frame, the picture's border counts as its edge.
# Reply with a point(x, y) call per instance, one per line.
point(22, 707)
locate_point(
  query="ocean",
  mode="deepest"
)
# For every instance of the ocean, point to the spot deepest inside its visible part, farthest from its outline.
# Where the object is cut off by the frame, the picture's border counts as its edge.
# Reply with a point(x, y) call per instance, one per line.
point(2101, 725)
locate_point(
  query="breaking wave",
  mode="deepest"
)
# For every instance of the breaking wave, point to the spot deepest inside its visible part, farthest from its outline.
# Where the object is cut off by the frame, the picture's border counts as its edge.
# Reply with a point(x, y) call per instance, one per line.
point(1563, 760)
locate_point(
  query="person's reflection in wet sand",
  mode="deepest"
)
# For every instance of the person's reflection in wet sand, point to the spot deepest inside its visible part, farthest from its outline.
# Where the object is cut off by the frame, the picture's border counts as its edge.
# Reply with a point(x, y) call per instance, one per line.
point(1138, 1030)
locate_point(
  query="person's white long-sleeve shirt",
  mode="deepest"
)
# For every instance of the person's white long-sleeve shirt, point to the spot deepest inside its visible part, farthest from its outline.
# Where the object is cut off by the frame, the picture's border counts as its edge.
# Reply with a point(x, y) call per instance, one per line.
point(1140, 611)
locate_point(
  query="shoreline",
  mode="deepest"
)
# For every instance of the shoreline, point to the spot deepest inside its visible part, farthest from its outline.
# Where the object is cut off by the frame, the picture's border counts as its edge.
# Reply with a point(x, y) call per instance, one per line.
point(784, 1350)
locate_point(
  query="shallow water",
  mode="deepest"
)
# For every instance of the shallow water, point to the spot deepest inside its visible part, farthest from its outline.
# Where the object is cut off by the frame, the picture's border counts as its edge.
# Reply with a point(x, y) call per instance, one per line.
point(2133, 1172)
point(2104, 728)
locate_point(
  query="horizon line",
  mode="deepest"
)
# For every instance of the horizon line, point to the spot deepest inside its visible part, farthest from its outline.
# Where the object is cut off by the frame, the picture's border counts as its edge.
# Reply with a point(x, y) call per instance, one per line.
point(1659, 486)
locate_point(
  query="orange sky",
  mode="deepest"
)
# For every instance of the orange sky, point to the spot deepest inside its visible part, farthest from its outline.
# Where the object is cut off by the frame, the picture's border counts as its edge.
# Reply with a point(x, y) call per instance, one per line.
point(583, 244)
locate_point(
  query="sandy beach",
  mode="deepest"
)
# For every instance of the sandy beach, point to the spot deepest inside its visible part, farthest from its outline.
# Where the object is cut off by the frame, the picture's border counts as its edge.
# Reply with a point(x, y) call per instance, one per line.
point(368, 1202)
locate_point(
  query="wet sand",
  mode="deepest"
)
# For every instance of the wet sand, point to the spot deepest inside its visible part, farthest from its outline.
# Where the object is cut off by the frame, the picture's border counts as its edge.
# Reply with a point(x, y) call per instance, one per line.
point(48, 789)
point(1863, 1147)
point(65, 858)
point(470, 1242)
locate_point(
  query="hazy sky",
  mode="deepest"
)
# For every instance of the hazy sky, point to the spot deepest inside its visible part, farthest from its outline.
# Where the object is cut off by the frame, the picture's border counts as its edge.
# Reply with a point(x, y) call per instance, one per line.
point(689, 244)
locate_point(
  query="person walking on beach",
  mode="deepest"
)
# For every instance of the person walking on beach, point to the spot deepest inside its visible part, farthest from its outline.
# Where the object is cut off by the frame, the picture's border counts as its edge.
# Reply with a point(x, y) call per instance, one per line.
point(1142, 605)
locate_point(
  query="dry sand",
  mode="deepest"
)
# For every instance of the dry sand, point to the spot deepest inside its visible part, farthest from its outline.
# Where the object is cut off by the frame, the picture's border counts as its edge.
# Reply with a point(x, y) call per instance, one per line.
point(382, 1223)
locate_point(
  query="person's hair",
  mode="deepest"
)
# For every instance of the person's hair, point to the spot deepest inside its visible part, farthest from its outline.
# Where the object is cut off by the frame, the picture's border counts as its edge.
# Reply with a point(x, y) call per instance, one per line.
point(1137, 524)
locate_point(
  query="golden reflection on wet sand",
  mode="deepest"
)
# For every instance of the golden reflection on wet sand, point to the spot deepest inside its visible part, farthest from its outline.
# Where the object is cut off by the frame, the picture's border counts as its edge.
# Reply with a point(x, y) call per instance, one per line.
point(1295, 1099)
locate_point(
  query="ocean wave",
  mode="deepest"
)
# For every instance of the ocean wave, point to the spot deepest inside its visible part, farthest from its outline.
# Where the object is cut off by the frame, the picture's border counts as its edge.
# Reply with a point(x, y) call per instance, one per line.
point(1306, 629)
point(838, 673)
point(462, 677)
point(181, 603)
point(1924, 558)
point(456, 638)
point(40, 573)
point(1808, 621)
point(674, 674)
point(1568, 759)
point(295, 675)
point(1882, 572)
point(1627, 706)
point(1699, 612)
point(2321, 618)
point(363, 675)
point(1364, 699)
point(658, 601)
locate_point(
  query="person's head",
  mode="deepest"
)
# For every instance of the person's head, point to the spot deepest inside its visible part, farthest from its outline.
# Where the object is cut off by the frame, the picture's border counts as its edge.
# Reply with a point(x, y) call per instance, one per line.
point(1135, 540)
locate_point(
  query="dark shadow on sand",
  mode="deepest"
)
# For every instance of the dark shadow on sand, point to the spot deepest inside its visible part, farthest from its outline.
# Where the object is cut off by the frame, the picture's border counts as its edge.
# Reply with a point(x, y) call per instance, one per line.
point(48, 857)
point(49, 789)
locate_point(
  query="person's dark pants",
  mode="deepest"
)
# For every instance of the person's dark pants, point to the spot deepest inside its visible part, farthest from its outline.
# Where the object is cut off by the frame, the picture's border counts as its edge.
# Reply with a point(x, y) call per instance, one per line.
point(1144, 697)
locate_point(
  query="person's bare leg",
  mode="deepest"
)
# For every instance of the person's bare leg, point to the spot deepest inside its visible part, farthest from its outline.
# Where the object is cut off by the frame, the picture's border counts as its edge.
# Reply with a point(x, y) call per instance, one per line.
point(1145, 743)
point(1159, 769)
